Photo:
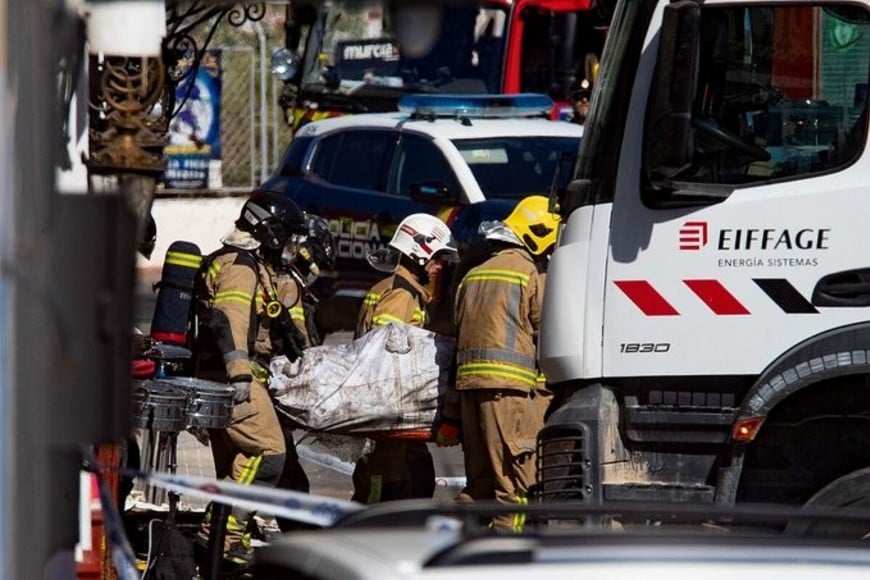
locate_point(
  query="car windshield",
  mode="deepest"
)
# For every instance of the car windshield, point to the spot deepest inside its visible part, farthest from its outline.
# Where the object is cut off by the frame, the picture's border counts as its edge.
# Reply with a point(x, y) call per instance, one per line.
point(514, 167)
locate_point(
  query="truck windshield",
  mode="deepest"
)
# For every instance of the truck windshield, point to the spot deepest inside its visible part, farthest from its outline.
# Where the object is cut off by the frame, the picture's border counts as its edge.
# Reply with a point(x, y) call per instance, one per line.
point(514, 167)
point(359, 45)
point(767, 110)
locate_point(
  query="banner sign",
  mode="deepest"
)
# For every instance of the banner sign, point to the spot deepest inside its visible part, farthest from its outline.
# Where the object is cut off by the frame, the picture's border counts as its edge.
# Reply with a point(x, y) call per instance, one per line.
point(194, 150)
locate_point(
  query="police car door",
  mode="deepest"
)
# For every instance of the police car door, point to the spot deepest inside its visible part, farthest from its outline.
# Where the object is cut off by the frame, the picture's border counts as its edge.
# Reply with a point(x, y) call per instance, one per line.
point(348, 176)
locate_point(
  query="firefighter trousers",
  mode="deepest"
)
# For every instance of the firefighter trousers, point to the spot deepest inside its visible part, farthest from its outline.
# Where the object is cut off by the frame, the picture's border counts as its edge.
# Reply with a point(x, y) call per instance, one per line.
point(394, 470)
point(293, 475)
point(250, 451)
point(499, 437)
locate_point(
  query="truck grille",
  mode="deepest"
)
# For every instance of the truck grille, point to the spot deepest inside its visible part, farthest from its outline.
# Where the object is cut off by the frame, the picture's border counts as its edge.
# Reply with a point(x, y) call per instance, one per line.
point(563, 465)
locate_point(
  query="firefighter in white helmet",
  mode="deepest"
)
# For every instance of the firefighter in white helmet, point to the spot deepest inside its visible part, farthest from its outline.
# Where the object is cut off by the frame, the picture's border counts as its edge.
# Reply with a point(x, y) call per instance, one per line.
point(417, 252)
point(502, 395)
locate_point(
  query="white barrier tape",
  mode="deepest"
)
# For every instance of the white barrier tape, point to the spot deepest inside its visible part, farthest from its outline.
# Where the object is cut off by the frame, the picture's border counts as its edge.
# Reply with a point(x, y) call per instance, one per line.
point(346, 468)
point(325, 460)
point(303, 507)
point(450, 482)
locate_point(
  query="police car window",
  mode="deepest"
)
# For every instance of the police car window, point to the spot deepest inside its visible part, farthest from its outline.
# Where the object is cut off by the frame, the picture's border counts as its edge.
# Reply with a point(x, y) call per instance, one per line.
point(764, 110)
point(514, 167)
point(419, 161)
point(362, 160)
point(294, 156)
point(325, 156)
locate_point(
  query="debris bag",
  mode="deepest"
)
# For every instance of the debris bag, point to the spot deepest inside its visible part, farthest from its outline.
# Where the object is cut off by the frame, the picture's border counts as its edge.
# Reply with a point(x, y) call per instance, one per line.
point(391, 379)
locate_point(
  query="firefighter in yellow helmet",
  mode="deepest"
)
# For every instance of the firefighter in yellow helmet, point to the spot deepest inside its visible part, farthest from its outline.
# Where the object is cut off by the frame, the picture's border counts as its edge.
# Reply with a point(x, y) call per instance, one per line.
point(502, 395)
point(421, 245)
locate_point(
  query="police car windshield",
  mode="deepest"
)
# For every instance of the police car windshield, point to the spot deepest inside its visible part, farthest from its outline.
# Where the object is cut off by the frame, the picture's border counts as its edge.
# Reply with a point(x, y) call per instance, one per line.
point(514, 167)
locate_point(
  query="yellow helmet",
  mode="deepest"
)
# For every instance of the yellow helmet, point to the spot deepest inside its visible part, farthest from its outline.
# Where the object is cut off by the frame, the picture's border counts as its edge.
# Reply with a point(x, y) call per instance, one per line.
point(533, 223)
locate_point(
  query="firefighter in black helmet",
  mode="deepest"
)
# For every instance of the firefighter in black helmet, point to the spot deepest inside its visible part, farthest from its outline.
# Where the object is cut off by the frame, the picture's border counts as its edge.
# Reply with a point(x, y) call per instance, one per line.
point(315, 255)
point(243, 306)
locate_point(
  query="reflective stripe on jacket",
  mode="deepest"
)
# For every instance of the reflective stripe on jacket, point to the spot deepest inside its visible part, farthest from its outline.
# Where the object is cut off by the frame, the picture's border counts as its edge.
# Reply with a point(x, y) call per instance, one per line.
point(397, 298)
point(498, 312)
point(237, 288)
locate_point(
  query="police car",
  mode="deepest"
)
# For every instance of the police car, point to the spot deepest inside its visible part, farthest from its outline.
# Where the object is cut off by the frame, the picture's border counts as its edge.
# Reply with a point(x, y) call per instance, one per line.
point(463, 158)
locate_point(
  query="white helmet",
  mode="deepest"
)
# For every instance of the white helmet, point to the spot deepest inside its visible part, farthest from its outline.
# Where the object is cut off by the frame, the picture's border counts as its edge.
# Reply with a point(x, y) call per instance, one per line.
point(421, 236)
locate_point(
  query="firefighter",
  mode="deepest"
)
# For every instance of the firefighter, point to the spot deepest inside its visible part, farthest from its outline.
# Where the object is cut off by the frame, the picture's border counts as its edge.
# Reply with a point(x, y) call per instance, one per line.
point(502, 396)
point(315, 255)
point(399, 469)
point(244, 319)
point(580, 102)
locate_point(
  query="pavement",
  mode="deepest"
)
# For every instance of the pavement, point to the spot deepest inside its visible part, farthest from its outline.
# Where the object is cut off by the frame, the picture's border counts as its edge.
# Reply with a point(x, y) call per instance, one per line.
point(328, 475)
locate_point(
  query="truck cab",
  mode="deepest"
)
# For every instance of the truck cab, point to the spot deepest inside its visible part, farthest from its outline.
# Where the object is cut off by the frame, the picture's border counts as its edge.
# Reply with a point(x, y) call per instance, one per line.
point(706, 313)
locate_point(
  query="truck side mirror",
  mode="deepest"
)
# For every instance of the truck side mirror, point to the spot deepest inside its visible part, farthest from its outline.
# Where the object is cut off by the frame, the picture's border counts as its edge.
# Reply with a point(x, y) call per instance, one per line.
point(668, 133)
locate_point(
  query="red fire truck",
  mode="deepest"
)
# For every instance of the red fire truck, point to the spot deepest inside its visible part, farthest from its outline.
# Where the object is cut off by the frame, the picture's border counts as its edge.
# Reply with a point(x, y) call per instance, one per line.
point(351, 60)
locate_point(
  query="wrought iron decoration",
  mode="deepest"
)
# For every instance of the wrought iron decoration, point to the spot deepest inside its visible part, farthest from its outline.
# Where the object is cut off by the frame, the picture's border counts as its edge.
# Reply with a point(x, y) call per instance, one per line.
point(132, 99)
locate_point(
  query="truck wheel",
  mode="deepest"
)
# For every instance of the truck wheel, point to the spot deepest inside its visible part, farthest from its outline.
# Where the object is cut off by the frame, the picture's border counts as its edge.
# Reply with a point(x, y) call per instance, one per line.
point(851, 491)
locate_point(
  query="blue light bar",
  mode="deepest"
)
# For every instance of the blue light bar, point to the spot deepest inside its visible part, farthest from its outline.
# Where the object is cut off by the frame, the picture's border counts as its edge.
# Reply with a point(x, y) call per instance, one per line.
point(477, 106)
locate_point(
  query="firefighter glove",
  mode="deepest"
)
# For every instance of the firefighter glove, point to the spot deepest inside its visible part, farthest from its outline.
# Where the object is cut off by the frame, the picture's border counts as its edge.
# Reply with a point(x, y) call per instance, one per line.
point(242, 391)
point(447, 435)
point(286, 337)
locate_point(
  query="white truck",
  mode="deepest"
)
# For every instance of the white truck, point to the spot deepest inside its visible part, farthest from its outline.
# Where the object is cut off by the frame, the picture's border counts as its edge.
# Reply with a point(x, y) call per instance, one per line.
point(706, 320)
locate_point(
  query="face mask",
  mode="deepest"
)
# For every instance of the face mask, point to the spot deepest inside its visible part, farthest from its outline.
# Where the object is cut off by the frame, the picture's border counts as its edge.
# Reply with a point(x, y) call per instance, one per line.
point(288, 254)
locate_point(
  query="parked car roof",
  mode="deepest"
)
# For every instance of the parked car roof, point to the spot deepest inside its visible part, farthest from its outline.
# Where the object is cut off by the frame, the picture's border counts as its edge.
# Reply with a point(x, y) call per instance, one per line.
point(446, 127)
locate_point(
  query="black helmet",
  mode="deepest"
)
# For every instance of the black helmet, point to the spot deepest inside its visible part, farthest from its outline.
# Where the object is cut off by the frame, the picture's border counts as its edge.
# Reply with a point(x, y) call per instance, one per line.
point(320, 242)
point(271, 218)
point(317, 252)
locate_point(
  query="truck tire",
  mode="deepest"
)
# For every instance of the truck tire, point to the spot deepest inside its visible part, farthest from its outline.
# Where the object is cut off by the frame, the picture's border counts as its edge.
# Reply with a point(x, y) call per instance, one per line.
point(849, 491)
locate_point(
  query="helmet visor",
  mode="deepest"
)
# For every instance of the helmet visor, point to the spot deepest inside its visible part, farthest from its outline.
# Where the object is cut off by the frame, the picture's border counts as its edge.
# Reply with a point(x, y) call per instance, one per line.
point(449, 255)
point(384, 259)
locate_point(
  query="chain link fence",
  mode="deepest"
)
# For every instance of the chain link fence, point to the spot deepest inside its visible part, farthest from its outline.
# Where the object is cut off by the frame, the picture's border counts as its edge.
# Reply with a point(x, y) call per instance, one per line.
point(253, 131)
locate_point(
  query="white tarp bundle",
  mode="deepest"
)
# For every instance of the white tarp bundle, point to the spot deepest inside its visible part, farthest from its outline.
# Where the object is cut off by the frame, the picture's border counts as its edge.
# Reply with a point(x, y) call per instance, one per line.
point(390, 379)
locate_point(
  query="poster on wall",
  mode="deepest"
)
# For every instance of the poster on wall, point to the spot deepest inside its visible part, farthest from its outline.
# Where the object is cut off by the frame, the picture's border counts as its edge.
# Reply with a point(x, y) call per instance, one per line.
point(194, 150)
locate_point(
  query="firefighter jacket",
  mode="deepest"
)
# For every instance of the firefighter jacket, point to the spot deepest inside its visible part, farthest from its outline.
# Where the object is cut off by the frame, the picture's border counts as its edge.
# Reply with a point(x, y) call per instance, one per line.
point(498, 313)
point(288, 294)
point(236, 294)
point(398, 298)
